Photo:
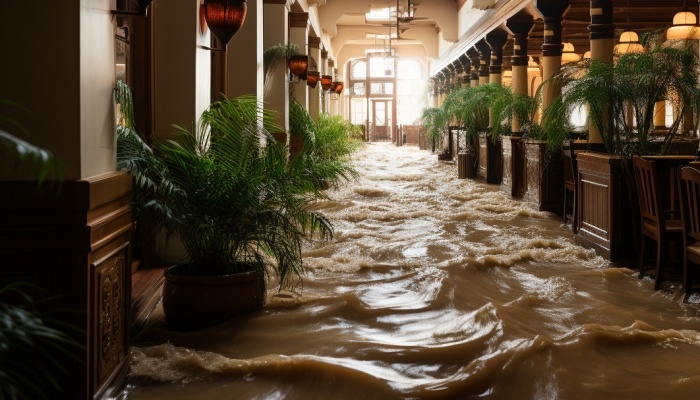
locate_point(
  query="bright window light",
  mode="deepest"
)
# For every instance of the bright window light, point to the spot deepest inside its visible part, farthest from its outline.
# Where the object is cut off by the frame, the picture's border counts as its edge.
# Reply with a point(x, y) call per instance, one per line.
point(378, 15)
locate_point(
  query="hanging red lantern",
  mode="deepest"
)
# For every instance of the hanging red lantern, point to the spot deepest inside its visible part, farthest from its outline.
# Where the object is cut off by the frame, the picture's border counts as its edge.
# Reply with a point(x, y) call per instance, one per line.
point(337, 87)
point(312, 78)
point(326, 82)
point(298, 64)
point(225, 17)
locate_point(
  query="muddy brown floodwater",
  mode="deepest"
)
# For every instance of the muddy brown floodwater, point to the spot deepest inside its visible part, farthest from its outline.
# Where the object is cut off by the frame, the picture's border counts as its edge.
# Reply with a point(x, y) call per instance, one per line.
point(437, 288)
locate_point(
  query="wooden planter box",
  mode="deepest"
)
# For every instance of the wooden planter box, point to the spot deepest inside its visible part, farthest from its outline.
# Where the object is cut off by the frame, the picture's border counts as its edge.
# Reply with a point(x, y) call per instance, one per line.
point(465, 166)
point(603, 211)
point(543, 177)
point(512, 158)
point(603, 214)
point(489, 160)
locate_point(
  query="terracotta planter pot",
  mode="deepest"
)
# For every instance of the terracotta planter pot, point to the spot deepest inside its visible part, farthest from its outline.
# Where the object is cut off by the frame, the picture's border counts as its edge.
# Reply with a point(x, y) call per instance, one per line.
point(193, 302)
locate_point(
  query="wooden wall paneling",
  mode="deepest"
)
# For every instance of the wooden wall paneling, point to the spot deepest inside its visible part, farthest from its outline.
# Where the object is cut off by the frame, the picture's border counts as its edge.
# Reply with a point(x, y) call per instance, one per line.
point(76, 245)
point(604, 216)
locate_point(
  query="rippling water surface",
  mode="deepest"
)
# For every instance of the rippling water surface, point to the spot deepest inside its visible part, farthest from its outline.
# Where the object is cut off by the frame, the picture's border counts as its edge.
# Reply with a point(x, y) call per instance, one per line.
point(437, 288)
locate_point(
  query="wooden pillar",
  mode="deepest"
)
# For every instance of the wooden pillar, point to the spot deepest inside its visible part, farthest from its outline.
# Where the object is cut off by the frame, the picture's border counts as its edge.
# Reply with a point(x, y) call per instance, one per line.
point(484, 60)
point(276, 24)
point(473, 55)
point(552, 12)
point(299, 35)
point(496, 39)
point(602, 35)
point(520, 25)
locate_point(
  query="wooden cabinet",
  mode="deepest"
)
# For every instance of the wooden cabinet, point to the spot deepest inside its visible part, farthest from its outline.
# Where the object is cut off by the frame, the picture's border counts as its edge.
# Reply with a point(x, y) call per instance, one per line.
point(76, 245)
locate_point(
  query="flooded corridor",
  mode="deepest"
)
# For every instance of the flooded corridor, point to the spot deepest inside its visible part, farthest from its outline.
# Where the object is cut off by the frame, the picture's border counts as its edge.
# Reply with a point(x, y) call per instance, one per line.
point(437, 288)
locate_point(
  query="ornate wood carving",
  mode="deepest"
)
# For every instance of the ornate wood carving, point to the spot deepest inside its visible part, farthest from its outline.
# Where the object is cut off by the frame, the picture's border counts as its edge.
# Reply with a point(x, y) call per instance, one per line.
point(110, 307)
point(77, 246)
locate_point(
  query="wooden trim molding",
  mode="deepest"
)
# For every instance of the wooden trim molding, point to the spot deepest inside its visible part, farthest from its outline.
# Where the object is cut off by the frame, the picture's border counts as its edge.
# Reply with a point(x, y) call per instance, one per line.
point(314, 42)
point(298, 20)
point(77, 246)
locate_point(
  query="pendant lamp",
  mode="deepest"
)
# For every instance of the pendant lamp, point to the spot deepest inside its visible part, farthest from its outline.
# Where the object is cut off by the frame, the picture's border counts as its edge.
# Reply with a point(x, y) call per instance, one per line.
point(298, 64)
point(629, 43)
point(326, 82)
point(568, 55)
point(225, 17)
point(685, 26)
point(312, 78)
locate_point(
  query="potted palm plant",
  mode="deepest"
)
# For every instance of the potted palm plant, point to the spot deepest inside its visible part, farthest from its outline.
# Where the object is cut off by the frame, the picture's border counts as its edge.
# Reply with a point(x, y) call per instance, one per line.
point(324, 148)
point(621, 98)
point(227, 192)
point(474, 114)
point(430, 118)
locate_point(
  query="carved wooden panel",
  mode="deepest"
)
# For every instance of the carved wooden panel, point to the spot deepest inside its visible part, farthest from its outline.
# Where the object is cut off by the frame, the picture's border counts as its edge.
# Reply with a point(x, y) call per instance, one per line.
point(483, 158)
point(109, 305)
point(595, 213)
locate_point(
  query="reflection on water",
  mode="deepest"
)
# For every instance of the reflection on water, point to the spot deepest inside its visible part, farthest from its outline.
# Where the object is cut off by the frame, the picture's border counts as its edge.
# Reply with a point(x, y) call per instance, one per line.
point(437, 288)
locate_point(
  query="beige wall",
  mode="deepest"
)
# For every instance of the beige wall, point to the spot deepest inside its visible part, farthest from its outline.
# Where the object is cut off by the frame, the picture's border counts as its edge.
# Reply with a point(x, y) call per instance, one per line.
point(97, 121)
point(245, 55)
point(62, 70)
point(182, 70)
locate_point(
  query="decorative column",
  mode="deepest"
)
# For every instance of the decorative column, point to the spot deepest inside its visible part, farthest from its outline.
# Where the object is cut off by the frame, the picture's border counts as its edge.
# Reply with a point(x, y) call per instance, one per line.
point(276, 23)
point(466, 68)
point(602, 35)
point(324, 71)
point(299, 35)
point(484, 60)
point(244, 59)
point(473, 56)
point(315, 93)
point(496, 39)
point(552, 11)
point(520, 25)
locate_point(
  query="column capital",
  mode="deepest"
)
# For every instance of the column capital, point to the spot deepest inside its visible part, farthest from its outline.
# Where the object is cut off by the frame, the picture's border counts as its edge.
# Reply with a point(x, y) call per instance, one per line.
point(298, 20)
point(602, 26)
point(484, 57)
point(331, 63)
point(324, 54)
point(473, 55)
point(314, 42)
point(552, 12)
point(496, 39)
point(520, 25)
point(466, 65)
